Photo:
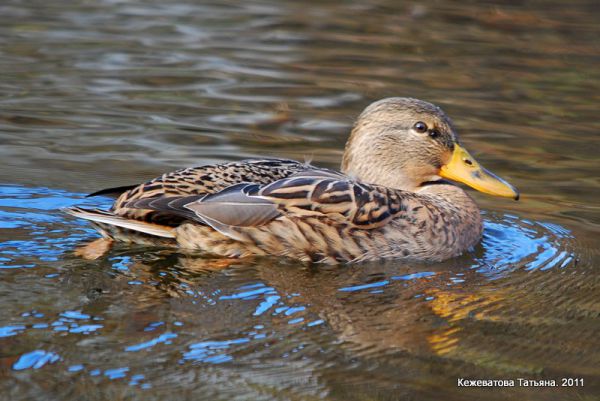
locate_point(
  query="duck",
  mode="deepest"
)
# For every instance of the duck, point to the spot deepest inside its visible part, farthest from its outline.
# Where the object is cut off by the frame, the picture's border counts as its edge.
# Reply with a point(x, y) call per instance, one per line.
point(396, 196)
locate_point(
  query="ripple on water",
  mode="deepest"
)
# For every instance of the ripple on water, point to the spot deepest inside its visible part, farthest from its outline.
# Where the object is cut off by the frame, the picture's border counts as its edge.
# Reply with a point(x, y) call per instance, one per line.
point(512, 243)
point(44, 233)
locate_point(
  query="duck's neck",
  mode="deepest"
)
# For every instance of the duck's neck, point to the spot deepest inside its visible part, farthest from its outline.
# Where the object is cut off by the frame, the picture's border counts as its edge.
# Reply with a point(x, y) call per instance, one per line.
point(367, 170)
point(386, 179)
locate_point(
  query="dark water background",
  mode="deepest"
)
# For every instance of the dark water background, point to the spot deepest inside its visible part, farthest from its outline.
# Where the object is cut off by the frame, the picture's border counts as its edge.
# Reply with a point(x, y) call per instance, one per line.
point(106, 93)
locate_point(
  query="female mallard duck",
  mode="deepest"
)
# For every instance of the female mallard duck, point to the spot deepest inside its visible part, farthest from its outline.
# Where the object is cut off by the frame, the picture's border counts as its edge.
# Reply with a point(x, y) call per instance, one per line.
point(390, 201)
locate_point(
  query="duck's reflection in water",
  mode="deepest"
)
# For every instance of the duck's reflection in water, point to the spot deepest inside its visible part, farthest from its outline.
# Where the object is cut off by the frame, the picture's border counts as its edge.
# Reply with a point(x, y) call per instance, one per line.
point(370, 308)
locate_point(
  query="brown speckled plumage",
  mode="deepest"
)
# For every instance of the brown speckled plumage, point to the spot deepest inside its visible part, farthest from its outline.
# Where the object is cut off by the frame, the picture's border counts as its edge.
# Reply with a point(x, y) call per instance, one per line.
point(389, 203)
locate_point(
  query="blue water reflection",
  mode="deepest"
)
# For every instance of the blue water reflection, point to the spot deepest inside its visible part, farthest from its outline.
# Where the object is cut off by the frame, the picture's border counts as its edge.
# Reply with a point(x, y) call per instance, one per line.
point(42, 234)
point(35, 360)
point(8, 331)
point(510, 242)
point(163, 338)
point(212, 351)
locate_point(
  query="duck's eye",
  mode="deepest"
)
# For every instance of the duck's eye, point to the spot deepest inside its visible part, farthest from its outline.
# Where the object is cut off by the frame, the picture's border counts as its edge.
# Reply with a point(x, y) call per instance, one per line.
point(434, 134)
point(420, 127)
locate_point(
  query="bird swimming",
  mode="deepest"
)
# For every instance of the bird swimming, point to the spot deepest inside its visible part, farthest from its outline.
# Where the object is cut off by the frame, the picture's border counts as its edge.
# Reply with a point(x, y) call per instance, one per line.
point(394, 198)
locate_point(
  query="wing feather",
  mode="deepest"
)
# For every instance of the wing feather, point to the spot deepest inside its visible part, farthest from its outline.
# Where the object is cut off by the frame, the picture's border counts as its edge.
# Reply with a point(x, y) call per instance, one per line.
point(104, 217)
point(342, 200)
point(234, 206)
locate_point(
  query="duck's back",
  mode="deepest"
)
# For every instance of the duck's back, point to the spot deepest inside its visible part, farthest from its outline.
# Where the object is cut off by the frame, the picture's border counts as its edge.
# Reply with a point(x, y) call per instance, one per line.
point(203, 180)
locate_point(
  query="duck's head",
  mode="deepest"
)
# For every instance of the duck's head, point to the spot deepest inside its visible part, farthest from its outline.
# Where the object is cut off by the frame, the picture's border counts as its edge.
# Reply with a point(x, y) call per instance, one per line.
point(403, 143)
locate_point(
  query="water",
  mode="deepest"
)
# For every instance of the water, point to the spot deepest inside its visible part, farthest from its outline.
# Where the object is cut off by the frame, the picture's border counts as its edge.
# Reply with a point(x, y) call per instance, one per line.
point(110, 93)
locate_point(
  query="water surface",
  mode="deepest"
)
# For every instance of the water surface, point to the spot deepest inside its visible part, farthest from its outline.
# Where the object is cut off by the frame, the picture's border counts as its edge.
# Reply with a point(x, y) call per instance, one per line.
point(110, 93)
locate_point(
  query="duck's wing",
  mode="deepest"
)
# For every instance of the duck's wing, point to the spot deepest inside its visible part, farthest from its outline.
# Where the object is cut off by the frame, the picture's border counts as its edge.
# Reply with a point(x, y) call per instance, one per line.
point(338, 201)
point(343, 201)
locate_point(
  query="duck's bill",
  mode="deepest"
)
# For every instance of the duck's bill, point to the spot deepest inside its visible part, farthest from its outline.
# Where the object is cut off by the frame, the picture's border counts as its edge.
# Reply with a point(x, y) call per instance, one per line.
point(464, 168)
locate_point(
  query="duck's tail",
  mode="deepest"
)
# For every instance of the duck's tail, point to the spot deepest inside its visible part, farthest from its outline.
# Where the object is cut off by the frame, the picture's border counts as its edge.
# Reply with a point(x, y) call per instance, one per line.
point(104, 218)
